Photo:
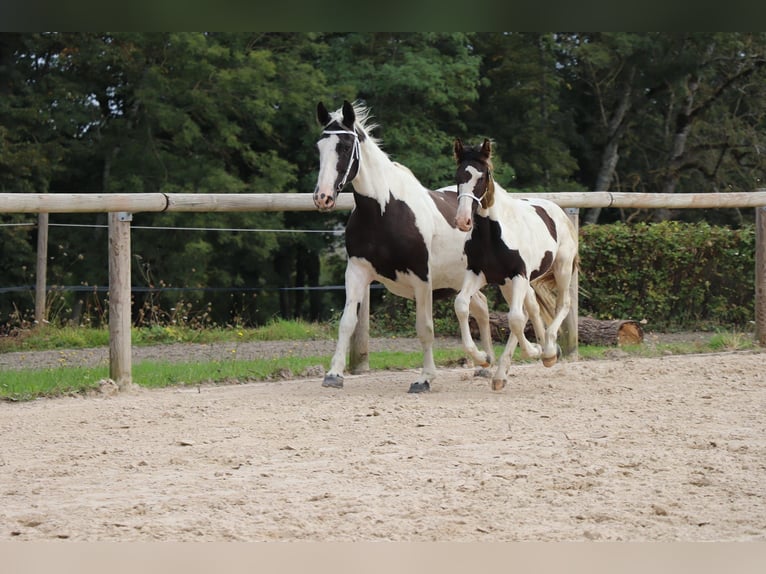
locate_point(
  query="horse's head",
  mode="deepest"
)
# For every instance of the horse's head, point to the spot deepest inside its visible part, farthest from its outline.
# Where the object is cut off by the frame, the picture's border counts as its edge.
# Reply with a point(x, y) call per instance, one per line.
point(475, 185)
point(339, 153)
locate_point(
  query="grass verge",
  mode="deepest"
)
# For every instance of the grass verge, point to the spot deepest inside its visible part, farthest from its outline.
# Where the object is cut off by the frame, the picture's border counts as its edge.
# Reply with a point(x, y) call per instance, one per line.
point(16, 385)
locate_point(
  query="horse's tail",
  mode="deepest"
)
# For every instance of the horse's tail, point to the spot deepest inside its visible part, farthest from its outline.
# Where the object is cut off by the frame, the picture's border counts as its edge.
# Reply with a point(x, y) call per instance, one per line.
point(545, 292)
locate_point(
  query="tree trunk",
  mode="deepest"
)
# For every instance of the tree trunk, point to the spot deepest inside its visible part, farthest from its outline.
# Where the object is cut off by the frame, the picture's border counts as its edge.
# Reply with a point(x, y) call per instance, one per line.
point(611, 153)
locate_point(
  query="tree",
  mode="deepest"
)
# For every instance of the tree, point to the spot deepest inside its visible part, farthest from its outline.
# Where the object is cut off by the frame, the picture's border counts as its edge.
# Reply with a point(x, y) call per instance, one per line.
point(520, 108)
point(666, 112)
point(418, 85)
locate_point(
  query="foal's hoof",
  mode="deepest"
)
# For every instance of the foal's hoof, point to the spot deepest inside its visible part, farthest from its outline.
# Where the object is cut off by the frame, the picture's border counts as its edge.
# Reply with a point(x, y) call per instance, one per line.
point(498, 384)
point(549, 361)
point(423, 387)
point(333, 381)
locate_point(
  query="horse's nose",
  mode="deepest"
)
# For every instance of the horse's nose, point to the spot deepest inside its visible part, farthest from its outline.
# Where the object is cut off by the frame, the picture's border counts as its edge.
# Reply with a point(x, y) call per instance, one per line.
point(463, 224)
point(323, 200)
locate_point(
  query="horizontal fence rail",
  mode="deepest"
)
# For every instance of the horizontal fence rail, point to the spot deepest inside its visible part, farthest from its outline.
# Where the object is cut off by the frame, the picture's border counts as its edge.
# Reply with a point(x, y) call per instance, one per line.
point(121, 206)
point(222, 202)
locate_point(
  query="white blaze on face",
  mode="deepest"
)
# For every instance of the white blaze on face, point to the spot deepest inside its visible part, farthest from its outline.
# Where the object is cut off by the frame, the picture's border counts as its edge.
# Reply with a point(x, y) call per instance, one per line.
point(324, 192)
point(466, 196)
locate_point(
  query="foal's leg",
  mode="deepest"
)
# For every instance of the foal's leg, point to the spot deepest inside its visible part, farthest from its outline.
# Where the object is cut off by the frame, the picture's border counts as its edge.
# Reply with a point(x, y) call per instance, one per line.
point(533, 311)
point(358, 279)
point(563, 273)
point(471, 285)
point(479, 309)
point(424, 325)
point(500, 378)
point(516, 293)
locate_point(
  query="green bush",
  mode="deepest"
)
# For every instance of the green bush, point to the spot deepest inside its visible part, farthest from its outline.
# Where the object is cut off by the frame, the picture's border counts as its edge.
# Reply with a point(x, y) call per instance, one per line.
point(672, 274)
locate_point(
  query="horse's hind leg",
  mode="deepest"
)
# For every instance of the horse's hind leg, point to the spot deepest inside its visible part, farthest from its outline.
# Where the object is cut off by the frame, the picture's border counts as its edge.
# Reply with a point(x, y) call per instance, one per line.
point(424, 325)
point(533, 312)
point(563, 276)
point(358, 278)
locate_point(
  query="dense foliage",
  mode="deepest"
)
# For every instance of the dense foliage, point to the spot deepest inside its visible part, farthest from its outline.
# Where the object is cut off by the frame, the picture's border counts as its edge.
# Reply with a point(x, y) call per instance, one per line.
point(234, 112)
point(669, 274)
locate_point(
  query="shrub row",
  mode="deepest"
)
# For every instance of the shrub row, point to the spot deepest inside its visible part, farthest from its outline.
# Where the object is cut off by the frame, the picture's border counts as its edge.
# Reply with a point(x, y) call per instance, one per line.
point(672, 274)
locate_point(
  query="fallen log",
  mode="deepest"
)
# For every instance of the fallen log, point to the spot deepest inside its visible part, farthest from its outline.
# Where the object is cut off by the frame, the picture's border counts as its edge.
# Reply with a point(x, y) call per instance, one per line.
point(618, 332)
point(590, 331)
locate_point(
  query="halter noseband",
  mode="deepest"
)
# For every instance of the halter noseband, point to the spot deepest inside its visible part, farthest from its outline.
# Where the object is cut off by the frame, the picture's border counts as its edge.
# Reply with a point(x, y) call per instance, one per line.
point(355, 152)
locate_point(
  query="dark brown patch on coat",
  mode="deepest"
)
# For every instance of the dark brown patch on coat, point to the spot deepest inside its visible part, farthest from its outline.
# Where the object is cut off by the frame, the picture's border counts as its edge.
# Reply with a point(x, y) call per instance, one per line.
point(446, 203)
point(390, 241)
point(545, 265)
point(487, 253)
point(548, 220)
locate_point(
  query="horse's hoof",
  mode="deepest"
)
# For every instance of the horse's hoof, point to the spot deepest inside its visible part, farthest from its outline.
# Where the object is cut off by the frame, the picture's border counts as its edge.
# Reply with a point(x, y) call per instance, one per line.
point(333, 381)
point(498, 384)
point(483, 373)
point(549, 361)
point(423, 387)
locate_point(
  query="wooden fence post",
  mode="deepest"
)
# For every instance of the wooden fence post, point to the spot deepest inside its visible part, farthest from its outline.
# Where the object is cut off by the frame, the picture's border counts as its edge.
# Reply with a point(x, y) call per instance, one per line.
point(119, 299)
point(41, 270)
point(359, 351)
point(569, 328)
point(760, 275)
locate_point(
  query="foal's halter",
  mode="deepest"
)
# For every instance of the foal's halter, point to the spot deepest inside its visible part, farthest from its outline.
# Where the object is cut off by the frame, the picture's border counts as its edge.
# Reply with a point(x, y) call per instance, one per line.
point(355, 152)
point(470, 194)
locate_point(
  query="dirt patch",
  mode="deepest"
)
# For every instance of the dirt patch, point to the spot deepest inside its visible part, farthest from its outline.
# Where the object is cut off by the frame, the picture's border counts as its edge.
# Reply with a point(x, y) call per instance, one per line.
point(671, 449)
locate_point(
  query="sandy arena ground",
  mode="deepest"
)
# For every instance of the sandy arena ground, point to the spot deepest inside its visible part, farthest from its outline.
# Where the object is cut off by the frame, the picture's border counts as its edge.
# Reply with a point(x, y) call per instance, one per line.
point(665, 449)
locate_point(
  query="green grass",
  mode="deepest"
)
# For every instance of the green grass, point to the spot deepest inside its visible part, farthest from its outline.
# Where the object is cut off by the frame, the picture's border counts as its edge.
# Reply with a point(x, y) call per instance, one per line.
point(47, 338)
point(32, 383)
point(28, 384)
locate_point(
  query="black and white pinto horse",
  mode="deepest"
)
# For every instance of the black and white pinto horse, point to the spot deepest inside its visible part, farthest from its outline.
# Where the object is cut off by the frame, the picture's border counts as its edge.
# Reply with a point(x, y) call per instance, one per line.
point(399, 233)
point(528, 247)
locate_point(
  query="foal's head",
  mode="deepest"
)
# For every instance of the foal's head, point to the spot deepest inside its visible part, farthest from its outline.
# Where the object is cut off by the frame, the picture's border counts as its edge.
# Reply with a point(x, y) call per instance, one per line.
point(339, 153)
point(475, 185)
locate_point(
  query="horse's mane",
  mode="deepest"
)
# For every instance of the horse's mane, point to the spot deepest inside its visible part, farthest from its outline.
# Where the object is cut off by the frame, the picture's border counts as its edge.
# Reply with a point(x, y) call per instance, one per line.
point(363, 120)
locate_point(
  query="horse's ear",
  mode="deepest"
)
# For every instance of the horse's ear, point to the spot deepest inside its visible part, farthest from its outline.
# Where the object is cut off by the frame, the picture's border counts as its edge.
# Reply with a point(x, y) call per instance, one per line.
point(458, 149)
point(323, 116)
point(349, 117)
point(486, 148)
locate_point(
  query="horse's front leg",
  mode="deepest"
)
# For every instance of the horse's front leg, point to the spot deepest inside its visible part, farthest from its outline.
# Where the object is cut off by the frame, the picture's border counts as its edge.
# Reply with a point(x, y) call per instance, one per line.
point(471, 285)
point(515, 294)
point(480, 311)
point(424, 325)
point(358, 279)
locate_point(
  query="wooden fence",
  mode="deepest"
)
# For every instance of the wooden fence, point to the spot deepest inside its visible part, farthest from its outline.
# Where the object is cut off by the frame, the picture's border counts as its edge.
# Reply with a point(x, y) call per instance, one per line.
point(121, 206)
